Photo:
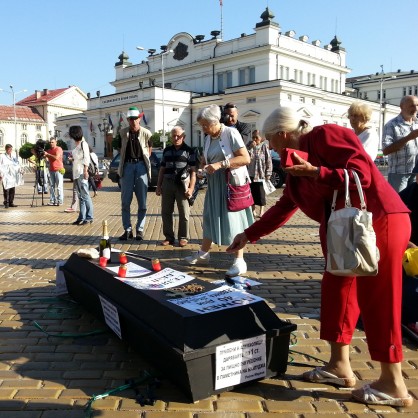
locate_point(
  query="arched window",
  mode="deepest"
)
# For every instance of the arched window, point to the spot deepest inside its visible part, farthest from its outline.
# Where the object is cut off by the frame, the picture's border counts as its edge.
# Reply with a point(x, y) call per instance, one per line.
point(38, 137)
point(23, 139)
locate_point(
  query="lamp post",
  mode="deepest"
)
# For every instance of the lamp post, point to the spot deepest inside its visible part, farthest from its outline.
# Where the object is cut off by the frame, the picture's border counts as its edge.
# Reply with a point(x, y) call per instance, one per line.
point(105, 128)
point(381, 103)
point(14, 94)
point(166, 51)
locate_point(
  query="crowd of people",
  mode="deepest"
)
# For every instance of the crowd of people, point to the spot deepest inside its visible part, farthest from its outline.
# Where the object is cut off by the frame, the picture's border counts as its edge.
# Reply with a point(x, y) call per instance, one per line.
point(234, 155)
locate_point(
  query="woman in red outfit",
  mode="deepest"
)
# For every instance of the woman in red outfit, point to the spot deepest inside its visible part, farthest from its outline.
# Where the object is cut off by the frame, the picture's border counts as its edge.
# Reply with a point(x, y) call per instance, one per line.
point(310, 186)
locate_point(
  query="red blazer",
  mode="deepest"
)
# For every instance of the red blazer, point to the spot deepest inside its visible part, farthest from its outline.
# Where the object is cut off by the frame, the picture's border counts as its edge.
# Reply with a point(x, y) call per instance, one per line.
point(333, 148)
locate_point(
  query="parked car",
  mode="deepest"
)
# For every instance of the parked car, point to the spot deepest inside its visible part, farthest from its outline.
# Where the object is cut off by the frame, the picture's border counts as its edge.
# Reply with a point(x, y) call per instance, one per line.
point(278, 176)
point(155, 159)
point(68, 165)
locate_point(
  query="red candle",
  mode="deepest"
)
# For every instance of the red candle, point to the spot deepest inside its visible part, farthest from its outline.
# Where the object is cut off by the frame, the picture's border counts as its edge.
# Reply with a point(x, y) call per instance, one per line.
point(156, 266)
point(103, 261)
point(122, 258)
point(122, 271)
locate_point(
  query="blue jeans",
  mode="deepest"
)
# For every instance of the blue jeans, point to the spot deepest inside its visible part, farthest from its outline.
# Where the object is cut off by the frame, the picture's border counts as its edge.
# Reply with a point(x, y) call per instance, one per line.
point(135, 179)
point(56, 189)
point(400, 181)
point(86, 205)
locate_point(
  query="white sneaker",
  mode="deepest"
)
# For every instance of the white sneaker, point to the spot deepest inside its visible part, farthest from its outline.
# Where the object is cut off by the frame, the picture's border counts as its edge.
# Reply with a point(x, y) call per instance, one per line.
point(238, 267)
point(196, 258)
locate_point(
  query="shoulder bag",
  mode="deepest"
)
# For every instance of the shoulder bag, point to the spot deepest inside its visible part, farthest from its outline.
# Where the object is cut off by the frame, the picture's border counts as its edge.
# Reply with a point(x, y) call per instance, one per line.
point(238, 197)
point(351, 240)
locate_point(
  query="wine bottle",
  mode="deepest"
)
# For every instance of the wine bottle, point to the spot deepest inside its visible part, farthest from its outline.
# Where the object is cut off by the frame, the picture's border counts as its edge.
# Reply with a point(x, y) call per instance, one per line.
point(104, 246)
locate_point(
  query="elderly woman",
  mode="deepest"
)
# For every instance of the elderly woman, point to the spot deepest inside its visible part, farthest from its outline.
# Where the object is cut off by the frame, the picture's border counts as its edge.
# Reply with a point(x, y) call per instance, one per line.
point(360, 115)
point(260, 169)
point(223, 148)
point(309, 187)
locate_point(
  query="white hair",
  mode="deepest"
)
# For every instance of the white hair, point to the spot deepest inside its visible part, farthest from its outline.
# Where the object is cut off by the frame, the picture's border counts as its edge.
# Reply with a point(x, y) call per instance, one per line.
point(210, 113)
point(285, 119)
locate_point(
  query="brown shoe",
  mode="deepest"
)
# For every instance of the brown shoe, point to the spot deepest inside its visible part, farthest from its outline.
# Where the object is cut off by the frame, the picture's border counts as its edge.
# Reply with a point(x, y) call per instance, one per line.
point(166, 242)
point(183, 242)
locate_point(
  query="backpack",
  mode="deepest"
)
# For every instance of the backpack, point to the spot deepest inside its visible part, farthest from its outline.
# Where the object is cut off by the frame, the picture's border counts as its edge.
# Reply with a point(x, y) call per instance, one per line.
point(92, 168)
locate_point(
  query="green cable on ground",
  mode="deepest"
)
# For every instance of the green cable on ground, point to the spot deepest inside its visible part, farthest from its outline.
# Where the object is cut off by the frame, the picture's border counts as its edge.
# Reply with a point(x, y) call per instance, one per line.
point(71, 335)
point(88, 410)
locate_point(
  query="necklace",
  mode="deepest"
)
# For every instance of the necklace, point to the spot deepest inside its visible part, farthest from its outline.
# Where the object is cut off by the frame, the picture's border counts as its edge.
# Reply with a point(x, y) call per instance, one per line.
point(218, 135)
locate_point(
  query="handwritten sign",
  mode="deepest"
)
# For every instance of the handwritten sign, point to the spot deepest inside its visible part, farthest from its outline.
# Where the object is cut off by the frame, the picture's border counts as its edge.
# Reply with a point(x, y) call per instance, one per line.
point(240, 361)
point(224, 297)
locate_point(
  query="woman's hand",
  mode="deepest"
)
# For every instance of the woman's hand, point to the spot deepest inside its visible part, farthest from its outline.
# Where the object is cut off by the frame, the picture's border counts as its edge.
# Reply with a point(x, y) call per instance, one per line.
point(239, 242)
point(158, 191)
point(302, 168)
point(211, 168)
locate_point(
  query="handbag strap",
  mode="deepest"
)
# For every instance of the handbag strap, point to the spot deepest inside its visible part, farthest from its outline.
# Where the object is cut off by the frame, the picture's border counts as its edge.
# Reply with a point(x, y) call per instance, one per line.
point(347, 192)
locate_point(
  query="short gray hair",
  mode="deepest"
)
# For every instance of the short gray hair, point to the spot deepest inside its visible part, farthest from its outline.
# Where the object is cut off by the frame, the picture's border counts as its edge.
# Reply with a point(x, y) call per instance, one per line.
point(285, 119)
point(210, 113)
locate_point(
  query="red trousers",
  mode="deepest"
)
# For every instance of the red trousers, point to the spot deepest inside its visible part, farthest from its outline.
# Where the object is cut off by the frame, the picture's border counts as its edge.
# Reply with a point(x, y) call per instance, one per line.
point(377, 298)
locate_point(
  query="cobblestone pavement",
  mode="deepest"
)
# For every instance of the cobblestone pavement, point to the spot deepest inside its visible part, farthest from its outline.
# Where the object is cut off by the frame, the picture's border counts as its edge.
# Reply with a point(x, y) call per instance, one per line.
point(48, 377)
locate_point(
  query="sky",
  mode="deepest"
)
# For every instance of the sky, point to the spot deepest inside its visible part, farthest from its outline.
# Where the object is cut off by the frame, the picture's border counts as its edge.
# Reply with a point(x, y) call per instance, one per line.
point(54, 43)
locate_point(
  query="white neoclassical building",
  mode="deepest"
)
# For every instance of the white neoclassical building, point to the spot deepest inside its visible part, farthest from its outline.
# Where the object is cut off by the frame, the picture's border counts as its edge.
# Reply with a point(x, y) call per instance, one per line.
point(271, 66)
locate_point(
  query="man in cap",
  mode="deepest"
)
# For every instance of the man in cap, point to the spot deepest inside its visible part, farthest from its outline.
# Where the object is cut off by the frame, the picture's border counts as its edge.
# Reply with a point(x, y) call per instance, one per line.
point(230, 118)
point(134, 171)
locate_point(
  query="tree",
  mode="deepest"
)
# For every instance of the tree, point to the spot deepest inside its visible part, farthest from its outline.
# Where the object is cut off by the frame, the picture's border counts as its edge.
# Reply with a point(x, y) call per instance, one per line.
point(25, 151)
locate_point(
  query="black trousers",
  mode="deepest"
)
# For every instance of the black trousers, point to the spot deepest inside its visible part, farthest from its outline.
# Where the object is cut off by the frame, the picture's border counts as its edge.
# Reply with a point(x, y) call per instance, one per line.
point(9, 196)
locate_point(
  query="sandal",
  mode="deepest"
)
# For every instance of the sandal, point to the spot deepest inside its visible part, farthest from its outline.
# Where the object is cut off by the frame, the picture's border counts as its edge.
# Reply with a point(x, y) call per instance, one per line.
point(369, 395)
point(319, 375)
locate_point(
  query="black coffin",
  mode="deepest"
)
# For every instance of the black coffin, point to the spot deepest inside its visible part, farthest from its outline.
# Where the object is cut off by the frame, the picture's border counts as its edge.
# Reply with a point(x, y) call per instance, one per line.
point(179, 342)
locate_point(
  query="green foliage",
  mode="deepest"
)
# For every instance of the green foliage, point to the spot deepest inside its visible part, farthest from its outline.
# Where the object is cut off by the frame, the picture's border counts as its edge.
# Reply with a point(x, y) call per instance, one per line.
point(62, 144)
point(155, 138)
point(117, 142)
point(25, 150)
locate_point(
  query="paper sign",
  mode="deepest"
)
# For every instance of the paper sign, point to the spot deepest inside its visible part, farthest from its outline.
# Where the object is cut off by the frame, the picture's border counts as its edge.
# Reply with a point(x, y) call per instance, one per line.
point(133, 270)
point(224, 297)
point(60, 283)
point(240, 362)
point(111, 316)
point(164, 279)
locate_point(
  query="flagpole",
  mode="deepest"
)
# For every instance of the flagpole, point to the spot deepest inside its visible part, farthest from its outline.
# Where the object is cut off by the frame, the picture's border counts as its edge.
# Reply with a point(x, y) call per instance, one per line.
point(222, 20)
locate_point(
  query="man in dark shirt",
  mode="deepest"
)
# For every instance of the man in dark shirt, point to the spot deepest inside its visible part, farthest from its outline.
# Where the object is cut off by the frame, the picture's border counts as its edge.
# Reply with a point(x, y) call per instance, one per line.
point(134, 171)
point(176, 181)
point(230, 116)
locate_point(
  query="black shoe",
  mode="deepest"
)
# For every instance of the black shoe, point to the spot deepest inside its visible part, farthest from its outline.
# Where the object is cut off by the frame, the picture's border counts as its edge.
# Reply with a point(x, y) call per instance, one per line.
point(139, 236)
point(78, 222)
point(87, 222)
point(12, 205)
point(6, 206)
point(126, 235)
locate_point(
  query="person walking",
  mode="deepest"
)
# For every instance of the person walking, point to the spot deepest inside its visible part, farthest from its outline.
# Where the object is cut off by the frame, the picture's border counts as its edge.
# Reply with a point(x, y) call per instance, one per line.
point(224, 149)
point(81, 161)
point(259, 169)
point(176, 181)
point(134, 171)
point(309, 187)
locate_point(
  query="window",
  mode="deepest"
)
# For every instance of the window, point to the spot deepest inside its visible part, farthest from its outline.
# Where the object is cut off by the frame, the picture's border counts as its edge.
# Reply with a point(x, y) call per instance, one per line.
point(284, 72)
point(313, 101)
point(38, 137)
point(289, 97)
point(23, 139)
point(302, 99)
point(24, 127)
point(416, 91)
point(38, 127)
point(404, 91)
point(410, 90)
point(378, 95)
point(1, 138)
point(246, 76)
point(224, 80)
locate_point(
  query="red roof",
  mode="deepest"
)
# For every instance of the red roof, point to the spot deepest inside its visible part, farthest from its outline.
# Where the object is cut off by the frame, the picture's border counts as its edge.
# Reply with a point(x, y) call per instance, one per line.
point(23, 114)
point(41, 96)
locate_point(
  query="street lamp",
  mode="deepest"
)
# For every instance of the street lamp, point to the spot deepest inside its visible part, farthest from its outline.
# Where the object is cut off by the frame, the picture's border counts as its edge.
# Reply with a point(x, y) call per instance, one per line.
point(105, 128)
point(381, 119)
point(14, 94)
point(166, 51)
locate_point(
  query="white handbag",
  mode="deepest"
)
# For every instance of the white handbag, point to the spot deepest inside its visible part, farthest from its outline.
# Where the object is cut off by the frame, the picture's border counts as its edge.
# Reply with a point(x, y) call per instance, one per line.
point(268, 187)
point(351, 240)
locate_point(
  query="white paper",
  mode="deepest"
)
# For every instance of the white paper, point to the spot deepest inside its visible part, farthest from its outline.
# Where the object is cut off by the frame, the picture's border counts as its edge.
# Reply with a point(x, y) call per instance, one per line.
point(111, 316)
point(164, 279)
point(60, 283)
point(133, 270)
point(224, 297)
point(240, 362)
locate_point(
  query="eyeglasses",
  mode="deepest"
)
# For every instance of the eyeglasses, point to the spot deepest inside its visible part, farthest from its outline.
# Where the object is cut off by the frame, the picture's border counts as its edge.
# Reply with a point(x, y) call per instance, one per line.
point(133, 118)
